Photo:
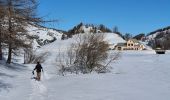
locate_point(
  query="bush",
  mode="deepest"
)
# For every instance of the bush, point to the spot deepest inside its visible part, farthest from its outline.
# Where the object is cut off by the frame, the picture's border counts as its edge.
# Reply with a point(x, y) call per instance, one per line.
point(89, 53)
point(31, 57)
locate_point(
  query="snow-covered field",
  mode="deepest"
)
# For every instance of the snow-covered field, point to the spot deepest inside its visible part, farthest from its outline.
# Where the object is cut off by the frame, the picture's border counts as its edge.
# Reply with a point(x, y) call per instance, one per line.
point(137, 75)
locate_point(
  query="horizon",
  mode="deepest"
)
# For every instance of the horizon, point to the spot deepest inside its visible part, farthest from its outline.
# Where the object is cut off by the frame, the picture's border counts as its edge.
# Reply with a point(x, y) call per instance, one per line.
point(132, 16)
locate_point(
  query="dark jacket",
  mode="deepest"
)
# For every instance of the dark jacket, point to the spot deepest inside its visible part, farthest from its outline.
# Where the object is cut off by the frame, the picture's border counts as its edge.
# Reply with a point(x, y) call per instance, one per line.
point(38, 68)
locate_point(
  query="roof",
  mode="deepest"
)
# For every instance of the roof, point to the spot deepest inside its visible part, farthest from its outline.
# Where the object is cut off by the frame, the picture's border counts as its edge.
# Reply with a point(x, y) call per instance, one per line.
point(121, 44)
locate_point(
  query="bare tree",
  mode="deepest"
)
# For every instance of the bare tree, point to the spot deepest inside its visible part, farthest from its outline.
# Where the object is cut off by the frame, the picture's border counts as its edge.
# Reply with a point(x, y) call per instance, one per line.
point(31, 57)
point(1, 40)
point(89, 53)
point(127, 36)
point(65, 60)
point(18, 14)
point(2, 13)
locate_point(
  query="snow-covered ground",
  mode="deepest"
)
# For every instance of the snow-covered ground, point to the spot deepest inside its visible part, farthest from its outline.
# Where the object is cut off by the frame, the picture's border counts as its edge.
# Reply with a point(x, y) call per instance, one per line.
point(137, 75)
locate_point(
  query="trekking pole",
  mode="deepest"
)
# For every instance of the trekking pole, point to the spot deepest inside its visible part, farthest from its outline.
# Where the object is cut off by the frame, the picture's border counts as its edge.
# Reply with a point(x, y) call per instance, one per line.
point(32, 76)
point(33, 72)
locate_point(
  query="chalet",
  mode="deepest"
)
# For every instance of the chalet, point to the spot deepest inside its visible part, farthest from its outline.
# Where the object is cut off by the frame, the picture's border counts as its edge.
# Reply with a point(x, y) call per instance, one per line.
point(131, 44)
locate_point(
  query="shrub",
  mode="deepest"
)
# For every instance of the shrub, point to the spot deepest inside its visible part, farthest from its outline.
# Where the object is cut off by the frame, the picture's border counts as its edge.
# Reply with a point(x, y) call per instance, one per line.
point(89, 53)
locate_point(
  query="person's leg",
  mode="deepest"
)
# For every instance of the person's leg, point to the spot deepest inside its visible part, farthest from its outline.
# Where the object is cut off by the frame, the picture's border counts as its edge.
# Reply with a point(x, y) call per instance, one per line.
point(38, 76)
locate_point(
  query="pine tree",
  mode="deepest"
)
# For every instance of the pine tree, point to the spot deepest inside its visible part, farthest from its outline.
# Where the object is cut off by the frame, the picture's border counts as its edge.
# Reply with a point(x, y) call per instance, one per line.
point(115, 29)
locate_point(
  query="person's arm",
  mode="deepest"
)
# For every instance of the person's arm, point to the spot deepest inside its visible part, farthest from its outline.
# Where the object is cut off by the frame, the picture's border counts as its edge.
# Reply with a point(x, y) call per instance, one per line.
point(35, 68)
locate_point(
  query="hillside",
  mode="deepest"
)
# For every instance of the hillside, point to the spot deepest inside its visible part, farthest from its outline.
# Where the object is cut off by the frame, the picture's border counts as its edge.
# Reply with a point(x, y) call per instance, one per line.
point(159, 38)
point(166, 29)
point(43, 35)
point(88, 28)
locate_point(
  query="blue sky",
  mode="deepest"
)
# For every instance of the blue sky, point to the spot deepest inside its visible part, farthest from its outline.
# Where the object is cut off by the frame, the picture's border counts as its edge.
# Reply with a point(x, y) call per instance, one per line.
point(130, 16)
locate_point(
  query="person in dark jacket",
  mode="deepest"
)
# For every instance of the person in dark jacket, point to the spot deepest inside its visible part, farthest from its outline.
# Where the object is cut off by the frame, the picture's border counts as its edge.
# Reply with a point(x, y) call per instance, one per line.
point(38, 69)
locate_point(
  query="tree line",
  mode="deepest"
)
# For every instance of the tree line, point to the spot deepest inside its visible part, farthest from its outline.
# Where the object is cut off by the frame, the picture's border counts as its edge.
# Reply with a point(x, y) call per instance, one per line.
point(100, 29)
point(94, 29)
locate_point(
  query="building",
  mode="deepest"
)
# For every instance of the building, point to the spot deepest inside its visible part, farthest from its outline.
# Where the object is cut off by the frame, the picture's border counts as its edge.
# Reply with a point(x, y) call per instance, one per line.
point(131, 44)
point(121, 46)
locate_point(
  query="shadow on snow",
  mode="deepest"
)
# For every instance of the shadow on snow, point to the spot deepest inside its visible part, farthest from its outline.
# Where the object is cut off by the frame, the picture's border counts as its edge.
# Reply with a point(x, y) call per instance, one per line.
point(4, 86)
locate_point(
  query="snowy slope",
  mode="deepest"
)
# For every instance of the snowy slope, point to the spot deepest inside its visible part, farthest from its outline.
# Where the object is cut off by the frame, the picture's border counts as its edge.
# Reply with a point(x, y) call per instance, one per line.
point(114, 38)
point(86, 29)
point(159, 38)
point(146, 46)
point(14, 82)
point(163, 31)
point(152, 36)
point(138, 75)
point(43, 35)
point(111, 38)
point(63, 45)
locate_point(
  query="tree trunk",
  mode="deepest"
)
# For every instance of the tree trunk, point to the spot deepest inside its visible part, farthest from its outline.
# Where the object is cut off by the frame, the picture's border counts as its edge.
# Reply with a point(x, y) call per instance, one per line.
point(0, 51)
point(9, 55)
point(10, 36)
point(0, 45)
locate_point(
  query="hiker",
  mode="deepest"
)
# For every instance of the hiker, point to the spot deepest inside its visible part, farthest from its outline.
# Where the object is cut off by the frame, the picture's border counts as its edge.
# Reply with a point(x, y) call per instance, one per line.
point(38, 69)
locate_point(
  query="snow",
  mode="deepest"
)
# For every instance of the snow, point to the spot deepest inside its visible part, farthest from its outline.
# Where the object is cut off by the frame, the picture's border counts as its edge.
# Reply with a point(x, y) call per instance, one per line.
point(153, 36)
point(43, 34)
point(137, 75)
point(64, 45)
point(114, 38)
point(86, 29)
point(145, 45)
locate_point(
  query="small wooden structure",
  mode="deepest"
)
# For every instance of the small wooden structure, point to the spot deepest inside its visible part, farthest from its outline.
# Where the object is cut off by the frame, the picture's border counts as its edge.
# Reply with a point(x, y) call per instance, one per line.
point(159, 51)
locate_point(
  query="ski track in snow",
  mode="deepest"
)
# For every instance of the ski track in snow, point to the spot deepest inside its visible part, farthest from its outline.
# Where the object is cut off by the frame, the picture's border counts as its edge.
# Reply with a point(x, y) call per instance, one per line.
point(39, 89)
point(136, 76)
